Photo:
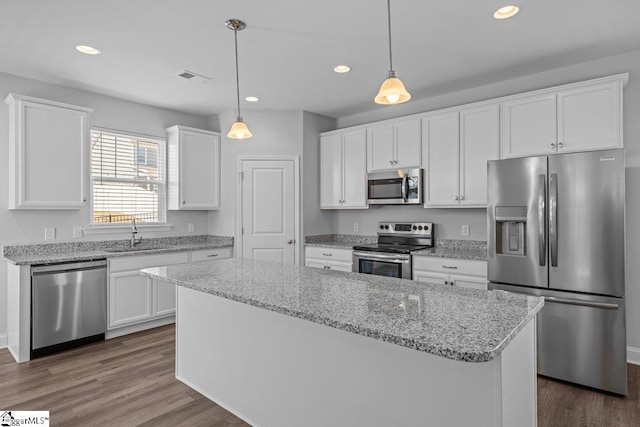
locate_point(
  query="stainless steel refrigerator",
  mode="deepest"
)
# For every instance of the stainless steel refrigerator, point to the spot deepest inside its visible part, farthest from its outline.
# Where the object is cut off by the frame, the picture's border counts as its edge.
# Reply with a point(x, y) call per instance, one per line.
point(556, 230)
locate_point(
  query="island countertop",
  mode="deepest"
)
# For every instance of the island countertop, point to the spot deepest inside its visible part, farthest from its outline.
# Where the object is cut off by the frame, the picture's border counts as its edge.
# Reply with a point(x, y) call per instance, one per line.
point(459, 324)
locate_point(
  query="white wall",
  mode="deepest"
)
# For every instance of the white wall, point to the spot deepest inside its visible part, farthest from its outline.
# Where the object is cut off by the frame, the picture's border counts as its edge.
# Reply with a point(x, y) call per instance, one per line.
point(19, 227)
point(448, 220)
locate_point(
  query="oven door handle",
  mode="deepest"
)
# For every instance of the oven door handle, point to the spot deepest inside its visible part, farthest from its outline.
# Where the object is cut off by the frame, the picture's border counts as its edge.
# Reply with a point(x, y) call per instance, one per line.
point(387, 257)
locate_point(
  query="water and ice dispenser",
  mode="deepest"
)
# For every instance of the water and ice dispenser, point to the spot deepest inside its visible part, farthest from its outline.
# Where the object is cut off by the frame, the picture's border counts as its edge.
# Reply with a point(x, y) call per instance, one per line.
point(511, 225)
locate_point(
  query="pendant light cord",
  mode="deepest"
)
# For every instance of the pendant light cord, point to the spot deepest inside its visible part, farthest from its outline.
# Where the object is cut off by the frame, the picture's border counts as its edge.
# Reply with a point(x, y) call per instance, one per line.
point(389, 22)
point(235, 35)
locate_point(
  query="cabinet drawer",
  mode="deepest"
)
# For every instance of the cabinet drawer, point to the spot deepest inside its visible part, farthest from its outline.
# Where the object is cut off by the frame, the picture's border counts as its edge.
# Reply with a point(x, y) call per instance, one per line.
point(329, 254)
point(209, 254)
point(144, 261)
point(451, 266)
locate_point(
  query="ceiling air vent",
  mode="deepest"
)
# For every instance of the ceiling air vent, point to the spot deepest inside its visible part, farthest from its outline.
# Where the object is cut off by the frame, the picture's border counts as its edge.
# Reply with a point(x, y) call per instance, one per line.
point(194, 77)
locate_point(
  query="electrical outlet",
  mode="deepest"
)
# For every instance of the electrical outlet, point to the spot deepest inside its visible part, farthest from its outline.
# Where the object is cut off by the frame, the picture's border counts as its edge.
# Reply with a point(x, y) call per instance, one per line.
point(49, 233)
point(190, 228)
point(78, 231)
point(464, 230)
point(355, 227)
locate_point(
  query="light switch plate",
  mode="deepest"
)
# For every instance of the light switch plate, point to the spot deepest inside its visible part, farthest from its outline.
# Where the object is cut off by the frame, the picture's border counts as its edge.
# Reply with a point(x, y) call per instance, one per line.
point(49, 233)
point(355, 226)
point(190, 228)
point(78, 231)
point(464, 230)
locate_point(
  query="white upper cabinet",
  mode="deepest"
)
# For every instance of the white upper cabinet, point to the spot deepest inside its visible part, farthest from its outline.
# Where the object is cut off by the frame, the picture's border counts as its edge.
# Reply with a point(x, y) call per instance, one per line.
point(394, 145)
point(48, 154)
point(457, 147)
point(479, 142)
point(193, 169)
point(578, 117)
point(343, 170)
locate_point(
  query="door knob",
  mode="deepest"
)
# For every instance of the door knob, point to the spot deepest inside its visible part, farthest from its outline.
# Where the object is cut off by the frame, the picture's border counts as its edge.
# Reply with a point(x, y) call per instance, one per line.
point(289, 242)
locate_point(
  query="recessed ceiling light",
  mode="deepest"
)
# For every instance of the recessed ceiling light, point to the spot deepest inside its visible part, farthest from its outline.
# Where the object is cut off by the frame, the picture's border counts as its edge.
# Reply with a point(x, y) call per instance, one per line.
point(341, 69)
point(88, 50)
point(506, 12)
point(252, 98)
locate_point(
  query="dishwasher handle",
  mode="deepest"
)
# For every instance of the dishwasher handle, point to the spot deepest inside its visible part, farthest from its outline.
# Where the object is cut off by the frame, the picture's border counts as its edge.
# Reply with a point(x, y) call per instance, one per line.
point(69, 266)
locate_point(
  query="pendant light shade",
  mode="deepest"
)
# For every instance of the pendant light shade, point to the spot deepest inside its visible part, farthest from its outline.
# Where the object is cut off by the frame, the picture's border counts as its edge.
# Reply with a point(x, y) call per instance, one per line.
point(392, 90)
point(239, 129)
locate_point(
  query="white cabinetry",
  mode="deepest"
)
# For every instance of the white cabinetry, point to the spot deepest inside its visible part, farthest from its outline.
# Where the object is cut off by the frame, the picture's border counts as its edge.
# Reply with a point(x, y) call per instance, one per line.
point(451, 272)
point(457, 147)
point(48, 154)
point(394, 145)
point(329, 258)
point(578, 117)
point(193, 169)
point(343, 170)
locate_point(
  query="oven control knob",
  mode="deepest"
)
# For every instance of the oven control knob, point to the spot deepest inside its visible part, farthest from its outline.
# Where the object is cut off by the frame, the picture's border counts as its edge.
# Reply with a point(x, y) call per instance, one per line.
point(382, 227)
point(415, 228)
point(419, 227)
point(386, 227)
point(426, 227)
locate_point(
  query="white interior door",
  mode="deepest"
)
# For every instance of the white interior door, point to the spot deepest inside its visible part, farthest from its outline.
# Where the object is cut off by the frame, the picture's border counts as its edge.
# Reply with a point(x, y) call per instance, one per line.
point(268, 210)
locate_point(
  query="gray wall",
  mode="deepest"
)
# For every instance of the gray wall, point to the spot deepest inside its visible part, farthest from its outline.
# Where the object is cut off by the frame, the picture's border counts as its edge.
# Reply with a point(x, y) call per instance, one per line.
point(448, 220)
point(19, 227)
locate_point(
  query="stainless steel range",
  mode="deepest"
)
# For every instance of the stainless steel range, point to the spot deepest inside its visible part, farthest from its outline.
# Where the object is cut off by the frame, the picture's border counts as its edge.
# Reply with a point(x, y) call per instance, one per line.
point(391, 256)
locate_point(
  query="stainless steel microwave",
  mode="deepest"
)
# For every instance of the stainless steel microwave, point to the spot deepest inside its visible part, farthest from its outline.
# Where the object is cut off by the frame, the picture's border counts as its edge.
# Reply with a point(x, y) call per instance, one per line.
point(396, 187)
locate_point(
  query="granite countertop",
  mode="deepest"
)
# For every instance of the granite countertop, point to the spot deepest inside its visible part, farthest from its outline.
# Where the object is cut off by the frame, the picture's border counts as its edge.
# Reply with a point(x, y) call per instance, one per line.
point(475, 250)
point(82, 251)
point(341, 241)
point(456, 323)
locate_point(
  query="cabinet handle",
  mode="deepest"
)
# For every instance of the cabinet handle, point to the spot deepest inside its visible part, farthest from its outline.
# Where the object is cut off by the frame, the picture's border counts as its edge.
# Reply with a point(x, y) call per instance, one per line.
point(84, 199)
point(454, 267)
point(553, 145)
point(560, 144)
point(452, 283)
point(456, 198)
point(390, 162)
point(212, 255)
point(461, 197)
point(446, 282)
point(183, 202)
point(327, 254)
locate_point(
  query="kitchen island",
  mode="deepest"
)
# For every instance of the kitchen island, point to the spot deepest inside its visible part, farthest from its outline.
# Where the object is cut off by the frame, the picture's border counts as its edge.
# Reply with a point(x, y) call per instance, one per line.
point(282, 345)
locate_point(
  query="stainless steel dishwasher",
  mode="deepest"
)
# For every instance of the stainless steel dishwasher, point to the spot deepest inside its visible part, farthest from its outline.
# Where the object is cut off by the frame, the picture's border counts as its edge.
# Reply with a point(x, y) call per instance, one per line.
point(68, 305)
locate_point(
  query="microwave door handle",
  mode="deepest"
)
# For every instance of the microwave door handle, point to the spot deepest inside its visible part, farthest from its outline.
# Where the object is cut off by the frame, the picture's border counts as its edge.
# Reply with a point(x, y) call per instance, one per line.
point(404, 189)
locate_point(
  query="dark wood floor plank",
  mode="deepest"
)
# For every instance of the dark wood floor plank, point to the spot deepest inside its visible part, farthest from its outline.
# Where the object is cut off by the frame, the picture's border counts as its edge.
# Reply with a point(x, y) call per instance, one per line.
point(132, 379)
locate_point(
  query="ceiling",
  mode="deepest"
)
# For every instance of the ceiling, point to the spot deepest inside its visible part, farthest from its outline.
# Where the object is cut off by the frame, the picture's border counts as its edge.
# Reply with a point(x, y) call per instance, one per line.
point(289, 48)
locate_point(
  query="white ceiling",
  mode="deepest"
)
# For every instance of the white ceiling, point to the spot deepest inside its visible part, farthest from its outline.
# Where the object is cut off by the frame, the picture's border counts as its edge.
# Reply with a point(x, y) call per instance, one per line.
point(289, 48)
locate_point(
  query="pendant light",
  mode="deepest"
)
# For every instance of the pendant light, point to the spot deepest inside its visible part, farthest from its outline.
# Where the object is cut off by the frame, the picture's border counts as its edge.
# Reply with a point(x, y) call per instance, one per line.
point(239, 129)
point(392, 90)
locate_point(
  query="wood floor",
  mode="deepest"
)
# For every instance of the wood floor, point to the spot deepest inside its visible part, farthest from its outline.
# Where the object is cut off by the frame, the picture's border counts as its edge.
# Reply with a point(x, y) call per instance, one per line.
point(129, 381)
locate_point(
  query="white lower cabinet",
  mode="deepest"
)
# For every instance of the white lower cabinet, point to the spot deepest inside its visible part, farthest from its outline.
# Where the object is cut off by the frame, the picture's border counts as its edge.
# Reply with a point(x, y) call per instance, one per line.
point(451, 272)
point(329, 258)
point(135, 299)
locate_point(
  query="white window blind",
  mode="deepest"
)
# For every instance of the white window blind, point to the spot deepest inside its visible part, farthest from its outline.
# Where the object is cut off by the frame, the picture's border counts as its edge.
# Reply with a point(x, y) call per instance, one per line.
point(128, 178)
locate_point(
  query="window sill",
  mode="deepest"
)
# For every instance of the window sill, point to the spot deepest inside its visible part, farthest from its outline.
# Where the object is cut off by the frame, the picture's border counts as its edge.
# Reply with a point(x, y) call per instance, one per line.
point(124, 228)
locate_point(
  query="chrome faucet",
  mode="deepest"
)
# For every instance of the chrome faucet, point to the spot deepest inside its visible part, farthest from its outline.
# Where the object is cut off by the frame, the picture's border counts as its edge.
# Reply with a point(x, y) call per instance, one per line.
point(134, 231)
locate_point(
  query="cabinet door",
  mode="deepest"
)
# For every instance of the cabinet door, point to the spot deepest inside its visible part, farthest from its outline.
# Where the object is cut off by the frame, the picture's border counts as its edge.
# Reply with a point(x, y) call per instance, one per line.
point(479, 142)
point(380, 148)
point(589, 117)
point(340, 266)
point(430, 277)
point(129, 298)
point(315, 263)
point(354, 145)
point(164, 298)
point(199, 179)
point(408, 143)
point(528, 126)
point(470, 282)
point(331, 171)
point(49, 154)
point(440, 136)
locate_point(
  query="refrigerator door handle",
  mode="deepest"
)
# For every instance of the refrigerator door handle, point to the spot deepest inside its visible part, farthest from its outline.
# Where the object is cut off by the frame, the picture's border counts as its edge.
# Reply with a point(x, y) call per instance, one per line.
point(553, 218)
point(583, 303)
point(542, 242)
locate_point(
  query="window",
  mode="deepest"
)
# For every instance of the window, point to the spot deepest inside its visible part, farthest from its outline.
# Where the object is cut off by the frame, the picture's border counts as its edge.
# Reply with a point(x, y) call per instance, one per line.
point(128, 178)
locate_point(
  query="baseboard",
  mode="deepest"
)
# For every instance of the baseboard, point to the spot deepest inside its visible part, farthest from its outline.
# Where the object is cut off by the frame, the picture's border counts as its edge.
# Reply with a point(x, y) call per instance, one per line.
point(3, 340)
point(125, 330)
point(633, 355)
